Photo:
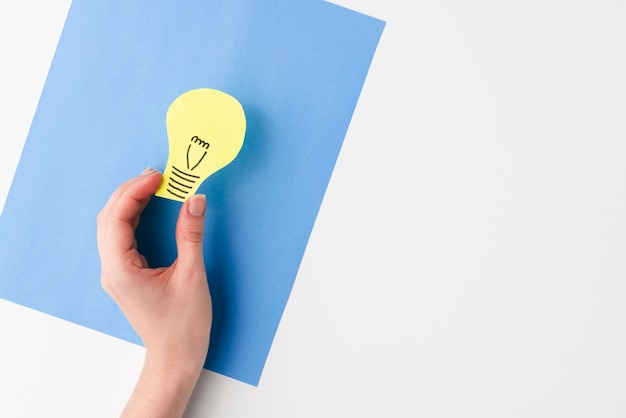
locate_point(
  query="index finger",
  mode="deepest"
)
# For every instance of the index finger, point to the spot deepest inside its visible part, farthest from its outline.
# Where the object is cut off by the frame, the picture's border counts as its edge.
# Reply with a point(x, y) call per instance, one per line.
point(118, 219)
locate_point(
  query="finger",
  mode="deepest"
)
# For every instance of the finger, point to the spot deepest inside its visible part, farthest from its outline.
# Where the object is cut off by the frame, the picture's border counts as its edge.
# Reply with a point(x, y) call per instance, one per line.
point(116, 194)
point(103, 215)
point(190, 232)
point(123, 215)
point(128, 185)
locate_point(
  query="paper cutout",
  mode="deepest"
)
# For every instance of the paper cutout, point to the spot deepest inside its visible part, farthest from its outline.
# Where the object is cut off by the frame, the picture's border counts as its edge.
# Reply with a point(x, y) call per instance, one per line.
point(205, 130)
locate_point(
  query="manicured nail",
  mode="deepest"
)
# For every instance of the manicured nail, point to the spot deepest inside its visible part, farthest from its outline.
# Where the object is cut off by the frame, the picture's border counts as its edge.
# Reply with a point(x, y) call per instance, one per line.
point(149, 171)
point(197, 205)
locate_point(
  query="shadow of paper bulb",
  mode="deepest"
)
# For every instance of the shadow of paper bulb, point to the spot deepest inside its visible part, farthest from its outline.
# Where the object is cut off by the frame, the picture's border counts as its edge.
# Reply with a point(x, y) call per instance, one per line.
point(205, 130)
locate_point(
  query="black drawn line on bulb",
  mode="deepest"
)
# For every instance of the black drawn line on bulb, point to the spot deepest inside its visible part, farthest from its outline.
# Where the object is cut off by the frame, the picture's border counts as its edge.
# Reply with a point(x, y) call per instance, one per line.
point(198, 141)
point(174, 194)
point(180, 190)
point(179, 183)
point(199, 161)
point(191, 181)
point(187, 180)
point(186, 174)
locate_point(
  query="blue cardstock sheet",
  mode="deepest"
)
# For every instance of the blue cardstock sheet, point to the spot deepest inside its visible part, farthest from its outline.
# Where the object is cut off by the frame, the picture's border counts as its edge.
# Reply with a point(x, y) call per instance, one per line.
point(297, 68)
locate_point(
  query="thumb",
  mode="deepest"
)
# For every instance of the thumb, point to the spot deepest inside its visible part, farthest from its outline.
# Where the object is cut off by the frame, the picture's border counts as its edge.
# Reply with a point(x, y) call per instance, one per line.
point(190, 231)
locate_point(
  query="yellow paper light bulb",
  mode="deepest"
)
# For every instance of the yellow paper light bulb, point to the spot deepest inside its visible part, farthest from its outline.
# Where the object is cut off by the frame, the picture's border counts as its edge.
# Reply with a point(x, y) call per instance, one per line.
point(205, 130)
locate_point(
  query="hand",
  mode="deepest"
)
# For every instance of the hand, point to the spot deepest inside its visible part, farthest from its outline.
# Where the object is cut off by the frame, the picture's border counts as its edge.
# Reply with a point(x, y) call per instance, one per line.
point(170, 308)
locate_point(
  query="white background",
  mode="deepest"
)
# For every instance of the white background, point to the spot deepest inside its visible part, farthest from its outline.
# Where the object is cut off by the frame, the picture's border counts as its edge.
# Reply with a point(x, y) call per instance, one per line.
point(469, 256)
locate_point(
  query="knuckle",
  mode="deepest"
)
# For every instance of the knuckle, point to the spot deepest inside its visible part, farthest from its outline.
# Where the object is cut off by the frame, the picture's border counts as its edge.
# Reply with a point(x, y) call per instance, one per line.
point(193, 236)
point(100, 218)
point(109, 284)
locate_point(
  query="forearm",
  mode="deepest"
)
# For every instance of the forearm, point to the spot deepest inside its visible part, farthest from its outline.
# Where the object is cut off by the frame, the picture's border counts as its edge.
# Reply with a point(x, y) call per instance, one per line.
point(162, 390)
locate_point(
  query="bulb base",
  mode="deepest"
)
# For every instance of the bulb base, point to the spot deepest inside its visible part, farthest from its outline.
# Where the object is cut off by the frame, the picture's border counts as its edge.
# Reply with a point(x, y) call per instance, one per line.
point(178, 184)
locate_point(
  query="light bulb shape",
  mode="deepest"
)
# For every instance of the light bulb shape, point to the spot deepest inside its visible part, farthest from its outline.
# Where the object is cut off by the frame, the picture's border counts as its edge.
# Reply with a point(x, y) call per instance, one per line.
point(205, 130)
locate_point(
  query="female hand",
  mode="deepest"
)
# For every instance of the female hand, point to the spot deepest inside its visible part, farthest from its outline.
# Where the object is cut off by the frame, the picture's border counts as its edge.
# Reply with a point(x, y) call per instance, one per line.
point(170, 308)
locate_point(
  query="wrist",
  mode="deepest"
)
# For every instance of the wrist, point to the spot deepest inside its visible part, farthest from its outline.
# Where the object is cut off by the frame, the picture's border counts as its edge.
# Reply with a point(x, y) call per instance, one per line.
point(163, 389)
point(174, 368)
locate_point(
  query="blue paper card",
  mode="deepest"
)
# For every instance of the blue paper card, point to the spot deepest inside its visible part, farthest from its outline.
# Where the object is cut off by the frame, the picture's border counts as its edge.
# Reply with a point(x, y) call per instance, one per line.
point(297, 67)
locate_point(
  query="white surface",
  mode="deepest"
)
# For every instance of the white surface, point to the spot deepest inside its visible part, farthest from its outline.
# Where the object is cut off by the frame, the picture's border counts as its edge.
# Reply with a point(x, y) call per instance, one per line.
point(468, 260)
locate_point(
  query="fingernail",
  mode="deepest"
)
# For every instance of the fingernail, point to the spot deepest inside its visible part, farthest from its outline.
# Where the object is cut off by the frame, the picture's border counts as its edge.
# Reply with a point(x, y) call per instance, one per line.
point(148, 171)
point(197, 205)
